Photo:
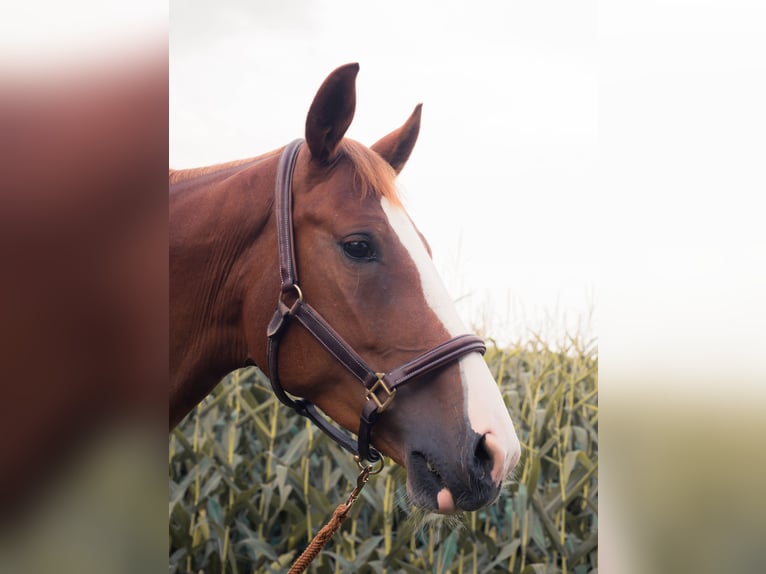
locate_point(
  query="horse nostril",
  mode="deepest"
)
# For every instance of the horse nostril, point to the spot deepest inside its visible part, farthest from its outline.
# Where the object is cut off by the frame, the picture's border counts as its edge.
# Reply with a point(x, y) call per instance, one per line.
point(482, 453)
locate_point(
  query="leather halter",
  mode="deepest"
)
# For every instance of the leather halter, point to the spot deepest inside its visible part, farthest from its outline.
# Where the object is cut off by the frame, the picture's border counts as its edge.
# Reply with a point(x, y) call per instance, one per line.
point(380, 388)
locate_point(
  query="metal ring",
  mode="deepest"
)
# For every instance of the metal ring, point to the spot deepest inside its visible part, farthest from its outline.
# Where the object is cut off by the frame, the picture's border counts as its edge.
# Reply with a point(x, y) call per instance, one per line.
point(371, 466)
point(298, 293)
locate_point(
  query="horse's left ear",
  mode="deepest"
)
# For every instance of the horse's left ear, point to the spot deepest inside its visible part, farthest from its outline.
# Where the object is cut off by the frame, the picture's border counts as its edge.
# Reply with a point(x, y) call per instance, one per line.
point(396, 147)
point(331, 112)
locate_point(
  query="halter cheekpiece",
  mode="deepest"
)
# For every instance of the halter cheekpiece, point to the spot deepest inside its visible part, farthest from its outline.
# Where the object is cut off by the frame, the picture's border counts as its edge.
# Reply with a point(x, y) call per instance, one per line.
point(380, 388)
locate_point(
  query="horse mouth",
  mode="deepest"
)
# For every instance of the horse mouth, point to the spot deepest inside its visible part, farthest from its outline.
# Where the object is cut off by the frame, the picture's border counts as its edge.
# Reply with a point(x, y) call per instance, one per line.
point(427, 487)
point(430, 488)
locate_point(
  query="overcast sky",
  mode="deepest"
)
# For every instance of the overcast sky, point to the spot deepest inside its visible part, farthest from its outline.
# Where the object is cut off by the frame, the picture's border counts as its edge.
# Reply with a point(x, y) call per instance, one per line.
point(502, 180)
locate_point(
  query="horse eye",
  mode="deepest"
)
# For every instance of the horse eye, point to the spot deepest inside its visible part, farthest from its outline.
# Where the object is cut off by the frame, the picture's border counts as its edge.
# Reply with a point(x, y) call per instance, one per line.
point(359, 250)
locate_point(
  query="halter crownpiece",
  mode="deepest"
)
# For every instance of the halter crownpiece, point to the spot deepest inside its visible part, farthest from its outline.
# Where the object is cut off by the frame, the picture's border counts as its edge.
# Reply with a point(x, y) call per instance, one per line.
point(380, 388)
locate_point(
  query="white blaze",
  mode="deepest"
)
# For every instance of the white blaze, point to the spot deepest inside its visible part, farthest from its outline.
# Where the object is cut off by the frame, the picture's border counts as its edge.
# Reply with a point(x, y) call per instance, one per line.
point(487, 413)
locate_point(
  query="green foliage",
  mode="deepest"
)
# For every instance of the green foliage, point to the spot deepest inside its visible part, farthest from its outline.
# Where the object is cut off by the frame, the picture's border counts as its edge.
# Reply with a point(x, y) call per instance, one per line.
point(250, 482)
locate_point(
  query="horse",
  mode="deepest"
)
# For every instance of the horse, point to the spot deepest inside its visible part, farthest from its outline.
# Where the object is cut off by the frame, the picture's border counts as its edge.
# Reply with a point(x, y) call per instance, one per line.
point(369, 308)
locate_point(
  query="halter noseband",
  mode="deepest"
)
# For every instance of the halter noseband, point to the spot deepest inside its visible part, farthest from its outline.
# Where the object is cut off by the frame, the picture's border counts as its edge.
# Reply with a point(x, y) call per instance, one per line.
point(380, 388)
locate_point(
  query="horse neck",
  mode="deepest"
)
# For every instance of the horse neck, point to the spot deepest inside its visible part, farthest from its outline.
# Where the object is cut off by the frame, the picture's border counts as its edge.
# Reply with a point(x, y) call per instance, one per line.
point(221, 252)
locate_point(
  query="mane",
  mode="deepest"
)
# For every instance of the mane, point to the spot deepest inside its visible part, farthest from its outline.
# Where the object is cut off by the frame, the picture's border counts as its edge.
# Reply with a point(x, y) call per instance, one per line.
point(373, 174)
point(179, 175)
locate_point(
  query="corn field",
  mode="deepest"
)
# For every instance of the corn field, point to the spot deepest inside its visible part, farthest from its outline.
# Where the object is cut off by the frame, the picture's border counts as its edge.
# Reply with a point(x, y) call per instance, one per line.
point(251, 482)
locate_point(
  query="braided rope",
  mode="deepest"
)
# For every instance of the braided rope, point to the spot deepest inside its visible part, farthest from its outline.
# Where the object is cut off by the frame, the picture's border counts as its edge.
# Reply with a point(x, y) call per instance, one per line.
point(321, 538)
point(340, 514)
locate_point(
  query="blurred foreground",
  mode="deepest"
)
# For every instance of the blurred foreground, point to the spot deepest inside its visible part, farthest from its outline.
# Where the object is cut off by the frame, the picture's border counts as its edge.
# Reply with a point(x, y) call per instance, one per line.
point(83, 291)
point(682, 485)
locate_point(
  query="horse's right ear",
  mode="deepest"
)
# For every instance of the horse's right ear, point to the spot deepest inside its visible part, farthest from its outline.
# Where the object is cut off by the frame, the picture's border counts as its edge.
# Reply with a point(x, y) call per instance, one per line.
point(331, 112)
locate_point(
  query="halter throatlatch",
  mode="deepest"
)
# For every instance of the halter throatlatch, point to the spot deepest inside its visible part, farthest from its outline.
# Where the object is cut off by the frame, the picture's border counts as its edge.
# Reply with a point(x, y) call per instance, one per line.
point(380, 388)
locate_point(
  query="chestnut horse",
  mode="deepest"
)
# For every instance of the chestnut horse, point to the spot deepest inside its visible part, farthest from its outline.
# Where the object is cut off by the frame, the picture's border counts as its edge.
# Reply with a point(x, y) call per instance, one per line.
point(375, 299)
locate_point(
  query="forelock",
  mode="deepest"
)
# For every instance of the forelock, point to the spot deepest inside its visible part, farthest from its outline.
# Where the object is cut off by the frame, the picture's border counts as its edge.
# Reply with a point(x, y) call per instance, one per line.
point(373, 174)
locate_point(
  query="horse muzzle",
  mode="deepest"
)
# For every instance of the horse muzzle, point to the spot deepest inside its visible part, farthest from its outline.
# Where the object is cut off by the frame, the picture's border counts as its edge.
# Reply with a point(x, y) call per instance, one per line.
point(449, 478)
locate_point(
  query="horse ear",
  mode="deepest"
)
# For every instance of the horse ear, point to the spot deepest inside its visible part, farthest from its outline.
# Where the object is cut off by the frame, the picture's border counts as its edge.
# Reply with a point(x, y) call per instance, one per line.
point(396, 147)
point(331, 112)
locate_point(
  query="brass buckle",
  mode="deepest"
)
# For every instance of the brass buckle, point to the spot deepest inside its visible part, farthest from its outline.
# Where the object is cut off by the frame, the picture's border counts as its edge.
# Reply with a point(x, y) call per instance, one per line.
point(380, 383)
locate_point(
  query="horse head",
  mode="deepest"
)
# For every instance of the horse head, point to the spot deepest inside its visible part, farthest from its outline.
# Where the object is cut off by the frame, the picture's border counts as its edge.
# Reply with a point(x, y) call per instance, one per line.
point(367, 270)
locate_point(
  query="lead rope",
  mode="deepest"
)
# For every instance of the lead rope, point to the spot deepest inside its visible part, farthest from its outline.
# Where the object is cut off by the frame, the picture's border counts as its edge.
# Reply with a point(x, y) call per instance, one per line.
point(338, 517)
